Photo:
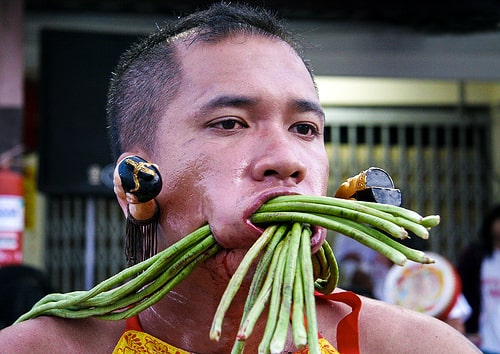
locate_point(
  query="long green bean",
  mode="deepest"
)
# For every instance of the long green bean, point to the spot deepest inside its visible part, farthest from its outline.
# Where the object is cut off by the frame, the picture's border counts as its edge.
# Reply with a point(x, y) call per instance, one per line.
point(326, 284)
point(236, 280)
point(281, 330)
point(366, 239)
point(299, 332)
point(260, 302)
point(257, 292)
point(146, 270)
point(308, 284)
point(274, 301)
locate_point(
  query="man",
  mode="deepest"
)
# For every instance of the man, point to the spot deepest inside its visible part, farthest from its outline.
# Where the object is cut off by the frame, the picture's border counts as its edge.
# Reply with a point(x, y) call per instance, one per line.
point(228, 110)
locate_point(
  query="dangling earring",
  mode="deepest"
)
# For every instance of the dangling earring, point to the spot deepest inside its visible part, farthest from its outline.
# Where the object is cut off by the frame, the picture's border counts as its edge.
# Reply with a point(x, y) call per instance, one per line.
point(142, 179)
point(141, 237)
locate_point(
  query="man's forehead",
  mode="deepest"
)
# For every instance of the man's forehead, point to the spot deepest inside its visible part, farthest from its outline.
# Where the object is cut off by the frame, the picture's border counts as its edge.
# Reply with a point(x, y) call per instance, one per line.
point(193, 39)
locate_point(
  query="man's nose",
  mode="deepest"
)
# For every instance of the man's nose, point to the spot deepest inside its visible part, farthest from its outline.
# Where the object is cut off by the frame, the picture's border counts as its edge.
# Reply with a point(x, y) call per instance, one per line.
point(277, 157)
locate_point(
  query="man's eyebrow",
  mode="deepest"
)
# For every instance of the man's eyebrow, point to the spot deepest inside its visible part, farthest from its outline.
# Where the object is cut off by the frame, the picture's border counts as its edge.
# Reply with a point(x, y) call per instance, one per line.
point(227, 101)
point(223, 101)
point(309, 106)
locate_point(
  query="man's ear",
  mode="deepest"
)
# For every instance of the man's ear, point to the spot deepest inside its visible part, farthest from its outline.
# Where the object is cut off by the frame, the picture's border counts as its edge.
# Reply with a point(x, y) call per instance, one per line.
point(141, 206)
point(118, 189)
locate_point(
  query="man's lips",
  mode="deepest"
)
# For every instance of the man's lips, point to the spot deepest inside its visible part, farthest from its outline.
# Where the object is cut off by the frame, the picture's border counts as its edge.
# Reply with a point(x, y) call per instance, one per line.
point(317, 238)
point(265, 197)
point(318, 233)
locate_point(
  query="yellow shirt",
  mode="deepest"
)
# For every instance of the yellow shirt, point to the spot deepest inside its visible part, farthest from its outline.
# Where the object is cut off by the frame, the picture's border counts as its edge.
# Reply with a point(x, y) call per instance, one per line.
point(137, 342)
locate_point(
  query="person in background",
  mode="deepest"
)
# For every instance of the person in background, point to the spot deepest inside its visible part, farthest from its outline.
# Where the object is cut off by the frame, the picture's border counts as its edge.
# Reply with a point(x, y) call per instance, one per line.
point(364, 271)
point(479, 269)
point(21, 286)
point(223, 102)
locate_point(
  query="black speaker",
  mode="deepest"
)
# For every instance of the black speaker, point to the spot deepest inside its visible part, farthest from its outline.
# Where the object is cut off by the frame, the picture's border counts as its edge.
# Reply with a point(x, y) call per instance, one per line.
point(75, 69)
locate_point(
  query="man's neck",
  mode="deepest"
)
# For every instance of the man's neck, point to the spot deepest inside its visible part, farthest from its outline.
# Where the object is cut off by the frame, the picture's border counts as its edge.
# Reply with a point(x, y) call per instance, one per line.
point(184, 316)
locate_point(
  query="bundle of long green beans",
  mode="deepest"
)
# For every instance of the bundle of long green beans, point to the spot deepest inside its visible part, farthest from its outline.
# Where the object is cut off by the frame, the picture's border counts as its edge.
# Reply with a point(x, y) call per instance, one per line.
point(284, 275)
point(287, 274)
point(281, 279)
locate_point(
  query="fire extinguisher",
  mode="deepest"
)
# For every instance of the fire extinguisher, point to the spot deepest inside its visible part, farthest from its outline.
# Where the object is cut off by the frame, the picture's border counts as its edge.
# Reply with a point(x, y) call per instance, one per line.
point(11, 216)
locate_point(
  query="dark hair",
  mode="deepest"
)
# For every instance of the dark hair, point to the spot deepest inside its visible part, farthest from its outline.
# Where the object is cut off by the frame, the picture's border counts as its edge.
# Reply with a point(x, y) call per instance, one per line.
point(21, 287)
point(149, 73)
point(485, 236)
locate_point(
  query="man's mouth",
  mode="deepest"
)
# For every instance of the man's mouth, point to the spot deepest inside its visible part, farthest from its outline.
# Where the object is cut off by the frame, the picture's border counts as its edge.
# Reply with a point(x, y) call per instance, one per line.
point(261, 200)
point(318, 233)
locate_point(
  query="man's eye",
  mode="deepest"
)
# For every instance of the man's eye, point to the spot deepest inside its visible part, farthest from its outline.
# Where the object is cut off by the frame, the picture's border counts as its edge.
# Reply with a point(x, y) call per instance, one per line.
point(305, 129)
point(227, 124)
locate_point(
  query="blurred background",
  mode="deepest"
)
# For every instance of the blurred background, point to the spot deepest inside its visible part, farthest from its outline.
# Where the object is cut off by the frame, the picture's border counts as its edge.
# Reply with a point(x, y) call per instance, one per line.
point(411, 87)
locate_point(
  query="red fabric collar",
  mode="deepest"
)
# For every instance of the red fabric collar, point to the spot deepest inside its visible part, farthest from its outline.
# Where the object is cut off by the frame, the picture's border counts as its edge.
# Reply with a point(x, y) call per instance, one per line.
point(133, 324)
point(348, 327)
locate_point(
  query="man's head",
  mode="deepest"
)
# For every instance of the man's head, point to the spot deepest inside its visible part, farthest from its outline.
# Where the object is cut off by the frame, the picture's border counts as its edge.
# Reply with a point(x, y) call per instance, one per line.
point(237, 122)
point(147, 76)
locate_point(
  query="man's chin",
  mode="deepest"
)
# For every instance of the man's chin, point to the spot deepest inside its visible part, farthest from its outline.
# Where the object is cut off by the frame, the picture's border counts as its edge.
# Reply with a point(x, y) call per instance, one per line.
point(224, 264)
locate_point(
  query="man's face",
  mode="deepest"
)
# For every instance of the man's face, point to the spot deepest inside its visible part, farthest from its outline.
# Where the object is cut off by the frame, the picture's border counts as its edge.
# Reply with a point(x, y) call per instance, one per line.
point(246, 125)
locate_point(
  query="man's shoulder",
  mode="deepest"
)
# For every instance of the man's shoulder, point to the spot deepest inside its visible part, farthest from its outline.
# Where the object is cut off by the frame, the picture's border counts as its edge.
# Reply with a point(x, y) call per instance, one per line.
point(386, 328)
point(57, 335)
point(389, 326)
